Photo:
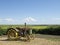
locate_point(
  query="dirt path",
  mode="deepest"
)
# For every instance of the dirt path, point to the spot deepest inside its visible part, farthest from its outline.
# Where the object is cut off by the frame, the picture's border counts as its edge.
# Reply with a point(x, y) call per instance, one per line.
point(36, 41)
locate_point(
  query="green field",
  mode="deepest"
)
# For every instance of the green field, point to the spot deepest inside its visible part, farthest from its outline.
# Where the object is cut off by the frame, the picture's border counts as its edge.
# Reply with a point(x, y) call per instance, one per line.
point(40, 29)
point(28, 26)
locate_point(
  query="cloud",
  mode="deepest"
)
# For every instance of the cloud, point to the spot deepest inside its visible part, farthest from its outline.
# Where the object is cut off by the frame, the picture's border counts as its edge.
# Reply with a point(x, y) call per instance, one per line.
point(1, 20)
point(7, 20)
point(53, 20)
point(56, 19)
point(17, 21)
point(30, 19)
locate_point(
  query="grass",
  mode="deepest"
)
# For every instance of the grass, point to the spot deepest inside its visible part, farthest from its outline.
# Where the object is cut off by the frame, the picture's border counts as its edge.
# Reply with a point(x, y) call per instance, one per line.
point(30, 26)
point(39, 27)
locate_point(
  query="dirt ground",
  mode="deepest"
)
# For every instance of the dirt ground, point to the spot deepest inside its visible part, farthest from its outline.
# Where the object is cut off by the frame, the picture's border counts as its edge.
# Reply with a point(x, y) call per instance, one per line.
point(36, 41)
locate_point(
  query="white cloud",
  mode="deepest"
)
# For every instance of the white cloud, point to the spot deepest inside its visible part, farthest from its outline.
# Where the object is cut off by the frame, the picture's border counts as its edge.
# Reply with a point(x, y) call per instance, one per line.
point(1, 20)
point(9, 20)
point(30, 19)
point(53, 20)
point(56, 19)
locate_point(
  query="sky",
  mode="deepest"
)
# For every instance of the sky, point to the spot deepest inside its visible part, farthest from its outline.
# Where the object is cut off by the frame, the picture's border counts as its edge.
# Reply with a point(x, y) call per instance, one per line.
point(30, 11)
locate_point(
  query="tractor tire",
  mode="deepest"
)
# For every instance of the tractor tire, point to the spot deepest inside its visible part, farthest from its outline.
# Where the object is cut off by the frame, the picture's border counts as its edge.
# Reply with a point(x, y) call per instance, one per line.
point(12, 34)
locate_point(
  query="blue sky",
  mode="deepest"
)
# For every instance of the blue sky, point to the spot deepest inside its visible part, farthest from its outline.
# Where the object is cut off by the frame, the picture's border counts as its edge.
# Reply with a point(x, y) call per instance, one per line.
point(30, 11)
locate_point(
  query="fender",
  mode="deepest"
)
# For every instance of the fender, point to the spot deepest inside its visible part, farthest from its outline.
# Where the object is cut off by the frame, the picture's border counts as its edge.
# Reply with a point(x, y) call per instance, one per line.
point(12, 29)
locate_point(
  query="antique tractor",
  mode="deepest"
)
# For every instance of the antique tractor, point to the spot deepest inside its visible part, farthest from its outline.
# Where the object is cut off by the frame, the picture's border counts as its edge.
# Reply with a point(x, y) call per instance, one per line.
point(17, 33)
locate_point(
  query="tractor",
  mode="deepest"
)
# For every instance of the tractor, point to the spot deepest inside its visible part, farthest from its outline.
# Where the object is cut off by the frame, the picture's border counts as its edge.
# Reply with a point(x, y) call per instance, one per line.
point(18, 33)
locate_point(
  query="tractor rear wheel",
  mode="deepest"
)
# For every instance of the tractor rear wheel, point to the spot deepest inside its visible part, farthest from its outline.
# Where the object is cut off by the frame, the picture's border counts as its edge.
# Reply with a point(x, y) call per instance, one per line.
point(12, 34)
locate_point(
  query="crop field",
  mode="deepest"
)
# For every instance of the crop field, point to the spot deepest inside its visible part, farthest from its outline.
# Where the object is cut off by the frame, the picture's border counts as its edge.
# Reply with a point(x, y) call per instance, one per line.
point(30, 26)
point(33, 27)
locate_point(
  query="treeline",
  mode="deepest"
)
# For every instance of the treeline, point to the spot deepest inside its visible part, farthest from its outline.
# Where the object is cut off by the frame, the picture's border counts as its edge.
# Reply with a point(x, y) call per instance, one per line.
point(51, 31)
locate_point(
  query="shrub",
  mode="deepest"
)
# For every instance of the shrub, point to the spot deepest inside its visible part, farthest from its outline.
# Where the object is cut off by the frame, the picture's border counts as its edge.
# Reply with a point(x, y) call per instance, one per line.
point(50, 31)
point(2, 31)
